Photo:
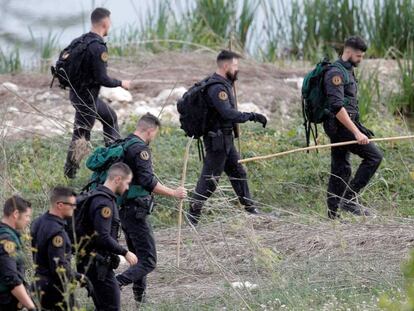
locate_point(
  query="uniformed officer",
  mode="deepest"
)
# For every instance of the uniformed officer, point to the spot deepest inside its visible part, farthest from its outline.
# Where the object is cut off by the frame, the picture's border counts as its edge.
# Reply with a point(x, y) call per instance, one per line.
point(13, 293)
point(344, 125)
point(221, 154)
point(85, 98)
point(138, 205)
point(104, 215)
point(54, 277)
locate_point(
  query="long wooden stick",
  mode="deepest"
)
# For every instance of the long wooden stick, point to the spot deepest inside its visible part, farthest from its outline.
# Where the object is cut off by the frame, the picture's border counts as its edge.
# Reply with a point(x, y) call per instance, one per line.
point(236, 102)
point(345, 143)
point(180, 206)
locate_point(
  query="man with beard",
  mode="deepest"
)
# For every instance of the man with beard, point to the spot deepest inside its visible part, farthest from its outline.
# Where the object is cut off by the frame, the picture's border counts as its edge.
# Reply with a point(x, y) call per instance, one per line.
point(84, 95)
point(221, 154)
point(104, 224)
point(343, 124)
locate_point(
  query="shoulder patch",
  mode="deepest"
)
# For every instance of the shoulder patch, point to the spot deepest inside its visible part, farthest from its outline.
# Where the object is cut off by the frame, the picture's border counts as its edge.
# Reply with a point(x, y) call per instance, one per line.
point(337, 80)
point(106, 212)
point(9, 246)
point(104, 56)
point(223, 95)
point(57, 241)
point(144, 155)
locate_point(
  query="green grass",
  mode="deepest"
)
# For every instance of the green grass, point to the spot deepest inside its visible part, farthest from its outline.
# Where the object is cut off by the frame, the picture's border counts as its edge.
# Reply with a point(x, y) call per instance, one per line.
point(10, 60)
point(295, 182)
point(306, 29)
point(403, 101)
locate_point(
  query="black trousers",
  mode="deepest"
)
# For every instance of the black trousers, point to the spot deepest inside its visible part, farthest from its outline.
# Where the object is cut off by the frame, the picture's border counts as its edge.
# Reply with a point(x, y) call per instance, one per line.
point(107, 296)
point(221, 157)
point(8, 302)
point(140, 240)
point(86, 114)
point(340, 181)
point(51, 298)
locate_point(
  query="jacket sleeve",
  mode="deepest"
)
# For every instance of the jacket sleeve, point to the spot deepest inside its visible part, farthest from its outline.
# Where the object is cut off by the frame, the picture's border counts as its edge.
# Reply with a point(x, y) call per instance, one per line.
point(98, 65)
point(143, 169)
point(58, 258)
point(220, 100)
point(102, 215)
point(9, 275)
point(334, 88)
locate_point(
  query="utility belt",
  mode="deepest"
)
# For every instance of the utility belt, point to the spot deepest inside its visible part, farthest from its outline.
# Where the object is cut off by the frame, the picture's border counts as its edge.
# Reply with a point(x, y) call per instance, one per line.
point(104, 264)
point(332, 125)
point(141, 206)
point(221, 140)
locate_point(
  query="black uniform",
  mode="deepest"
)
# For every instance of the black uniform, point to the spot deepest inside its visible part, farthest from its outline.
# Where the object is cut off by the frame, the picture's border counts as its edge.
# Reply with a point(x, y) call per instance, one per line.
point(104, 215)
point(85, 97)
point(134, 218)
point(12, 266)
point(341, 94)
point(221, 154)
point(51, 255)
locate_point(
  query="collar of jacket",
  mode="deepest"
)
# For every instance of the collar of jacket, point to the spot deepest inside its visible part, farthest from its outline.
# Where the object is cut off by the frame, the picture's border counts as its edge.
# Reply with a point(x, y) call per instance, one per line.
point(106, 190)
point(346, 64)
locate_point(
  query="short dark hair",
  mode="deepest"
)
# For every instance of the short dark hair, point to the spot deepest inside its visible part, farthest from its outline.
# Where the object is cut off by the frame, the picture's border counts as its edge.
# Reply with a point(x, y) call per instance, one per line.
point(60, 193)
point(356, 43)
point(119, 169)
point(226, 55)
point(99, 14)
point(148, 121)
point(15, 203)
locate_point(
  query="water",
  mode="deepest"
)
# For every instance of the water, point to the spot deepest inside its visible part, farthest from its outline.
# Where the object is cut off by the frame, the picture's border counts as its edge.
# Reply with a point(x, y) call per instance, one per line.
point(67, 19)
point(23, 20)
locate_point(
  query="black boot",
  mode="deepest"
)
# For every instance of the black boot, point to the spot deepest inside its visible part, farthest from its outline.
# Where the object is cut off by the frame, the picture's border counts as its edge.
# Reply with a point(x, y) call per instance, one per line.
point(333, 213)
point(349, 203)
point(70, 170)
point(140, 297)
point(194, 213)
point(251, 210)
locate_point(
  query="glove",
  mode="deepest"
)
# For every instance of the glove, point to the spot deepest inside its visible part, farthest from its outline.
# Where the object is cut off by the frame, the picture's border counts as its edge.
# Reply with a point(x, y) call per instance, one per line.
point(258, 117)
point(85, 282)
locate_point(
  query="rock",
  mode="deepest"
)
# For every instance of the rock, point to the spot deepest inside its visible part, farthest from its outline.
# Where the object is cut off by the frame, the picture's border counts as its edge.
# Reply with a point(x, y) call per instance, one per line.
point(171, 94)
point(251, 107)
point(42, 97)
point(12, 109)
point(294, 82)
point(141, 110)
point(246, 285)
point(170, 114)
point(116, 94)
point(10, 86)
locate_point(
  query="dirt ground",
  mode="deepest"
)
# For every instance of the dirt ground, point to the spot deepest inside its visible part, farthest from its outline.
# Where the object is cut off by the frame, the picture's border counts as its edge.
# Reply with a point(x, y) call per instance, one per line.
point(273, 89)
point(255, 249)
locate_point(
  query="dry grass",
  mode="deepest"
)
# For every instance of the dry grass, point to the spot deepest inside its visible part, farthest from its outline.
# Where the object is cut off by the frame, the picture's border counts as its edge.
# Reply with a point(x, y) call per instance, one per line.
point(265, 249)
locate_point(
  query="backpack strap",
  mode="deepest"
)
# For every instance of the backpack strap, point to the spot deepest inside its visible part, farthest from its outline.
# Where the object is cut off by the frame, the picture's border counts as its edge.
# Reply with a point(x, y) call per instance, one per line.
point(132, 141)
point(344, 71)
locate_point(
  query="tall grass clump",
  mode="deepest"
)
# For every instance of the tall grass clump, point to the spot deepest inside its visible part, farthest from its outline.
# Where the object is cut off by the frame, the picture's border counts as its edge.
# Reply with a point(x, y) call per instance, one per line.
point(369, 95)
point(388, 24)
point(10, 61)
point(403, 101)
point(46, 47)
point(212, 21)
